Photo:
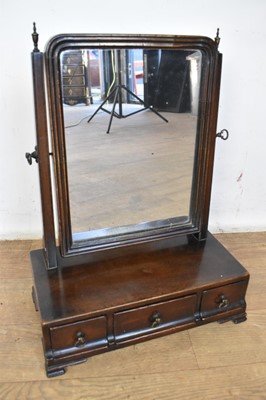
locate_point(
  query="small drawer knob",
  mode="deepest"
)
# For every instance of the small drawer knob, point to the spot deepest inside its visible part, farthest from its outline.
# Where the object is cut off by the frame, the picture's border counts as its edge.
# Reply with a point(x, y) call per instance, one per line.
point(80, 336)
point(156, 319)
point(223, 302)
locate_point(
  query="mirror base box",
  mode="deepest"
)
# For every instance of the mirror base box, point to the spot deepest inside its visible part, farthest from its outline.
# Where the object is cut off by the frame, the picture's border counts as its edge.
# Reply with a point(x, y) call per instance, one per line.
point(132, 296)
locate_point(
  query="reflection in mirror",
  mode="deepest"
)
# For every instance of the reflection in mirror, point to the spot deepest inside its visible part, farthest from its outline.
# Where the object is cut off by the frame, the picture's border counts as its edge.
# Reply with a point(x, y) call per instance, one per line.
point(140, 174)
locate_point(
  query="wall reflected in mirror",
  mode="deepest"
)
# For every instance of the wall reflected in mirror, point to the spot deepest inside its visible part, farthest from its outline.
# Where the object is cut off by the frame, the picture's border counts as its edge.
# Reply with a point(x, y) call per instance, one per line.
point(141, 171)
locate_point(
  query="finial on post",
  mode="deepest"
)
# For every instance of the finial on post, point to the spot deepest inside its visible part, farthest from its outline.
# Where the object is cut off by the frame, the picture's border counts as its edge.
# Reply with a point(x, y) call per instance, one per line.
point(217, 38)
point(35, 38)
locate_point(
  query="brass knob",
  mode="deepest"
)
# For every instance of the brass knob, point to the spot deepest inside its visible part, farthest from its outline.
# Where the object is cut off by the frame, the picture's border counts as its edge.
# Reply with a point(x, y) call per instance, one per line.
point(223, 302)
point(156, 319)
point(80, 339)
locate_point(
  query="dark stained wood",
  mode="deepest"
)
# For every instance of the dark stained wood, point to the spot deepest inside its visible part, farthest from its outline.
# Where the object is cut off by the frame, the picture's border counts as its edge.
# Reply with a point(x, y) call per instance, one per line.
point(183, 283)
point(83, 334)
point(203, 180)
point(43, 159)
point(155, 317)
point(206, 135)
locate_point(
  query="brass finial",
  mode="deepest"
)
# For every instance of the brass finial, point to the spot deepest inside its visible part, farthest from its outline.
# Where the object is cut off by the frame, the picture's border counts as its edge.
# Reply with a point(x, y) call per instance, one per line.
point(217, 38)
point(35, 38)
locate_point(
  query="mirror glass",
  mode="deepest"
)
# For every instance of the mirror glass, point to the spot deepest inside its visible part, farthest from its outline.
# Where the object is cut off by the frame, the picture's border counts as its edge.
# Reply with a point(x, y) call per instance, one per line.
point(130, 121)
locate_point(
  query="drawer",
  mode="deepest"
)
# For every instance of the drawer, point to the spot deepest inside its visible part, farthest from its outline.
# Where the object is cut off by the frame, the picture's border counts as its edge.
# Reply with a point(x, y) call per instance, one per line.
point(74, 81)
point(91, 333)
point(224, 298)
point(74, 91)
point(72, 58)
point(73, 70)
point(145, 320)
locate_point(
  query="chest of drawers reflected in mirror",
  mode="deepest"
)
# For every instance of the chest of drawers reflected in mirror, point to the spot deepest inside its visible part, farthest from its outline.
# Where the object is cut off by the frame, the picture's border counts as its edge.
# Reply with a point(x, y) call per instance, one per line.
point(125, 155)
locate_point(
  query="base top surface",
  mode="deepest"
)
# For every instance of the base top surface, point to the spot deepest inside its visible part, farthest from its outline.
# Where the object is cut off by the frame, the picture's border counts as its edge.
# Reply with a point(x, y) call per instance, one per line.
point(131, 278)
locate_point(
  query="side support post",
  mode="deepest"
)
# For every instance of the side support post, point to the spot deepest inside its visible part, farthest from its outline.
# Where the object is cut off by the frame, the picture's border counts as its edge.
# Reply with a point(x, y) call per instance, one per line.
point(43, 155)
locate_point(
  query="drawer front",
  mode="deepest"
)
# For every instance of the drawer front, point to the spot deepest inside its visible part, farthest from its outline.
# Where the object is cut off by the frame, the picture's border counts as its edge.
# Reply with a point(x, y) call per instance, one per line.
point(223, 299)
point(80, 335)
point(72, 58)
point(74, 91)
point(74, 81)
point(73, 70)
point(144, 320)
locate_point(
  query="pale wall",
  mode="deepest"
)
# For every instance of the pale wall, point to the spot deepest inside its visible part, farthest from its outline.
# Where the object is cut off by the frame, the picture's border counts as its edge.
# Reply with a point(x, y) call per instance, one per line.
point(239, 189)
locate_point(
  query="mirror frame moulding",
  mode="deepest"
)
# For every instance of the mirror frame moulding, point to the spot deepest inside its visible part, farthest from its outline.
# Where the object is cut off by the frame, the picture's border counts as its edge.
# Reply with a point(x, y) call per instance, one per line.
point(205, 135)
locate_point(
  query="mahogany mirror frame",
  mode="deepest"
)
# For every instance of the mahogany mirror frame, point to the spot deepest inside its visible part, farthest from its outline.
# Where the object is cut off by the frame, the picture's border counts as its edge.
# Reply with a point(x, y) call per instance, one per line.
point(46, 72)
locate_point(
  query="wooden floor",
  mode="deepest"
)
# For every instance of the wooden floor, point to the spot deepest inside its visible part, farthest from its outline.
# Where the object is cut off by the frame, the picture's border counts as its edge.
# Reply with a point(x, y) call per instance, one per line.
point(141, 171)
point(210, 362)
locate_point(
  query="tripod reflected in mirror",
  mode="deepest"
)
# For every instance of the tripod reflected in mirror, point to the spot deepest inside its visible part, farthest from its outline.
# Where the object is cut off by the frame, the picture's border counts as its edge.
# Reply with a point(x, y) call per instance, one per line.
point(117, 95)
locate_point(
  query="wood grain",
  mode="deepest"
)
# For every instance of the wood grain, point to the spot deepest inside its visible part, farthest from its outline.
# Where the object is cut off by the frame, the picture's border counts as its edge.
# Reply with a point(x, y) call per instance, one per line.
point(210, 362)
point(219, 384)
